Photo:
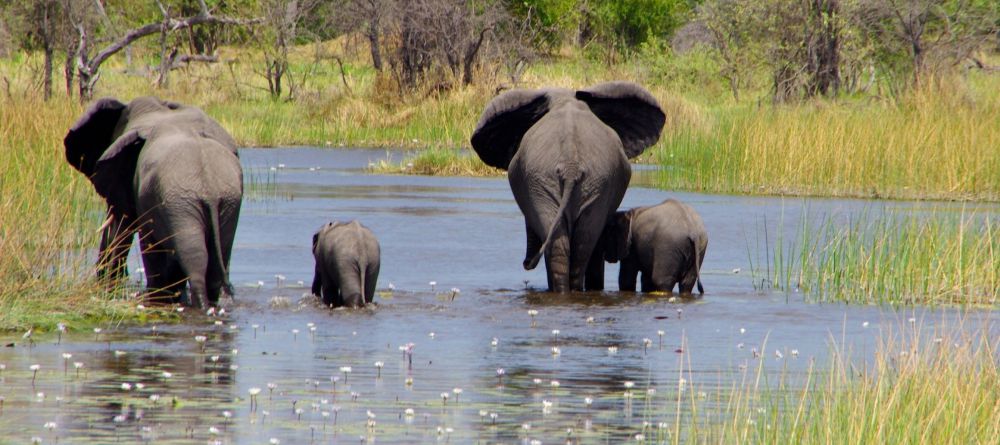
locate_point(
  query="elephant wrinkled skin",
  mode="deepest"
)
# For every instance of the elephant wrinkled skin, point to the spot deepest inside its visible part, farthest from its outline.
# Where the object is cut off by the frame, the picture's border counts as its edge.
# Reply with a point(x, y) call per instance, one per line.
point(666, 242)
point(566, 153)
point(171, 174)
point(347, 264)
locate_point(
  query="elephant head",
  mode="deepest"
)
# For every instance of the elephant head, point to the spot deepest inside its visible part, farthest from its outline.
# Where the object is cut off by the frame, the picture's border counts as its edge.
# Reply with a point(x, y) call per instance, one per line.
point(618, 236)
point(104, 143)
point(567, 155)
point(631, 111)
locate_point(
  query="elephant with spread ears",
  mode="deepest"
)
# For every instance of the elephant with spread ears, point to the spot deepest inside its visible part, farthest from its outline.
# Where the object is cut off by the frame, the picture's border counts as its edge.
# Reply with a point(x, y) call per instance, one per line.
point(567, 156)
point(171, 174)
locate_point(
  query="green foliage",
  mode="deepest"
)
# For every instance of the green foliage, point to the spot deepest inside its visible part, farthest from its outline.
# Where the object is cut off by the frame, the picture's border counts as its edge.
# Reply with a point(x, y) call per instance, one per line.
point(628, 23)
point(556, 21)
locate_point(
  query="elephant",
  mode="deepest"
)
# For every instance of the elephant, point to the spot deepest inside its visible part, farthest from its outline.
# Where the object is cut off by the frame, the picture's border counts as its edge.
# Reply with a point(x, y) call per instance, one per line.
point(347, 257)
point(567, 157)
point(666, 242)
point(170, 173)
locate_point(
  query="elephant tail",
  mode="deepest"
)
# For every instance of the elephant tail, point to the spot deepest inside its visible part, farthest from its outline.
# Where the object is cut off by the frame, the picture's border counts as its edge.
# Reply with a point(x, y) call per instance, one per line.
point(567, 192)
point(215, 248)
point(697, 265)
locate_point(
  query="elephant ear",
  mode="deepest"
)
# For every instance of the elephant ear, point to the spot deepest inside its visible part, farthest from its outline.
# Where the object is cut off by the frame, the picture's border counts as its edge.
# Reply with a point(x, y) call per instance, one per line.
point(505, 120)
point(91, 135)
point(628, 109)
point(114, 172)
point(618, 234)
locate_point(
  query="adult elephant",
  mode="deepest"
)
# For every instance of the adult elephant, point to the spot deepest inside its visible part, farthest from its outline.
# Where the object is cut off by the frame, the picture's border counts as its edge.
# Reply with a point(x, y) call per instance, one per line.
point(171, 174)
point(566, 153)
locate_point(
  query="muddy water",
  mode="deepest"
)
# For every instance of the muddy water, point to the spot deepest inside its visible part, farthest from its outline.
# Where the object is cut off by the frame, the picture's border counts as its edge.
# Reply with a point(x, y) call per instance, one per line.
point(465, 235)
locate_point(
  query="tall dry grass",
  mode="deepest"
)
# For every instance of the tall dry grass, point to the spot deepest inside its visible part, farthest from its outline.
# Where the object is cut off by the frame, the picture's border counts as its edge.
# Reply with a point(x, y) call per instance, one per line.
point(937, 142)
point(49, 215)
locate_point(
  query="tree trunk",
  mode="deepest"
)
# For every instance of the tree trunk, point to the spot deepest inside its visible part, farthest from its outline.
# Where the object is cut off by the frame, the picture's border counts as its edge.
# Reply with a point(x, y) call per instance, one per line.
point(824, 48)
point(47, 72)
point(373, 37)
point(69, 72)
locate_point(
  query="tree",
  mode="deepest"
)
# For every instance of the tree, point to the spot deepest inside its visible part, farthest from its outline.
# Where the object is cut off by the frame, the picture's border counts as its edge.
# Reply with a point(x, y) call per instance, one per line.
point(88, 65)
point(281, 30)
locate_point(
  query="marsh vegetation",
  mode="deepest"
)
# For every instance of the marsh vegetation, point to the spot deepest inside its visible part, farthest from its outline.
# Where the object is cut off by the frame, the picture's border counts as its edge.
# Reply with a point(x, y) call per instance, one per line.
point(879, 100)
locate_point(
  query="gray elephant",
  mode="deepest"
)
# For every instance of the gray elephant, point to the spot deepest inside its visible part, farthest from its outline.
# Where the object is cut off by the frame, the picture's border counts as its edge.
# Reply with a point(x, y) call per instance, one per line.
point(666, 242)
point(171, 174)
point(347, 264)
point(566, 153)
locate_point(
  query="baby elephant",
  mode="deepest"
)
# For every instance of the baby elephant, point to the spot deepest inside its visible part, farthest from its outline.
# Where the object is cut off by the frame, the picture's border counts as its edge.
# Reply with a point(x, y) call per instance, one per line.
point(347, 264)
point(666, 242)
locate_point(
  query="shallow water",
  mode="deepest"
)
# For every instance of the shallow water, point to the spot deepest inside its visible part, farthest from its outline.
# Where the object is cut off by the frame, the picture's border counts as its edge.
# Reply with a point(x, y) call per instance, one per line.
point(462, 233)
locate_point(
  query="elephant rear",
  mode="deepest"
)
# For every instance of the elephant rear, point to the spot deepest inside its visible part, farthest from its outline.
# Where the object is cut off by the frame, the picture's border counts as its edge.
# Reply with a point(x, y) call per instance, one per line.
point(348, 259)
point(194, 206)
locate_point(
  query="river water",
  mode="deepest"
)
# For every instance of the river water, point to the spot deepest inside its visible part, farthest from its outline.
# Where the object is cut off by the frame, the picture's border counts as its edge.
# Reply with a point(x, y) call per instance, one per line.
point(466, 236)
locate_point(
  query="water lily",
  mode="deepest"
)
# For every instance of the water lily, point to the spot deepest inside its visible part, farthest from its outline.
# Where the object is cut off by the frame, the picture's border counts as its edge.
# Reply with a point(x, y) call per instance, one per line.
point(34, 372)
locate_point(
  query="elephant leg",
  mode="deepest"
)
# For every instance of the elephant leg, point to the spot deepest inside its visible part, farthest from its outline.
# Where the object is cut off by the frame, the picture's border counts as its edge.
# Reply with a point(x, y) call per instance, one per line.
point(163, 274)
point(627, 275)
point(116, 240)
point(595, 272)
point(646, 281)
point(533, 244)
point(371, 279)
point(663, 275)
point(317, 286)
point(557, 261)
point(192, 256)
point(331, 290)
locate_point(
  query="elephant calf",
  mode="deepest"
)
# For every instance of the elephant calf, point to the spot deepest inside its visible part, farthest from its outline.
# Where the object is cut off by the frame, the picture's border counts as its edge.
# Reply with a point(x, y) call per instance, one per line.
point(666, 242)
point(347, 263)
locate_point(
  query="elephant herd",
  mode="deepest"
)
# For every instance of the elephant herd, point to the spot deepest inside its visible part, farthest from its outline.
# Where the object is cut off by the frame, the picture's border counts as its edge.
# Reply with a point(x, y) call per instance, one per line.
point(172, 175)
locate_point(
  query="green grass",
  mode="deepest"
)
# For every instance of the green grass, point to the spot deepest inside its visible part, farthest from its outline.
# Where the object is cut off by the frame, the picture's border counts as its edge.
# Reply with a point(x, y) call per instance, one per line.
point(49, 216)
point(932, 257)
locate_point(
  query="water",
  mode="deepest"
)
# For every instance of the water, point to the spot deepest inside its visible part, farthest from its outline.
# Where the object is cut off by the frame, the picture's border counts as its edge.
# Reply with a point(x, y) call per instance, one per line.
point(461, 233)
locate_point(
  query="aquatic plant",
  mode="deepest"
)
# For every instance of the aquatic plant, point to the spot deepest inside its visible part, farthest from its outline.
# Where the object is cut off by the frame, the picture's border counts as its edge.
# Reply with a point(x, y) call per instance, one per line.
point(919, 257)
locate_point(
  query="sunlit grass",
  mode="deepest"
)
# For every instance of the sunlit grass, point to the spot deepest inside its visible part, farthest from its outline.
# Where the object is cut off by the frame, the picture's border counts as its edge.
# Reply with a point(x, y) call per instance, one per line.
point(438, 161)
point(921, 388)
point(938, 142)
point(922, 385)
point(932, 257)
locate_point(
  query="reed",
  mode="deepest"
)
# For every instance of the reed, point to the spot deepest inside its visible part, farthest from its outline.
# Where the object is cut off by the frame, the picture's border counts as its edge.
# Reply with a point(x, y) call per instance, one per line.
point(922, 385)
point(933, 257)
point(48, 219)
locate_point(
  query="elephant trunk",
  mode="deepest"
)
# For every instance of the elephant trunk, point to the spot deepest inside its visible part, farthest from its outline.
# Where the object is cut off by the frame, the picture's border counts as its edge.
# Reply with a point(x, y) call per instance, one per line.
point(567, 192)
